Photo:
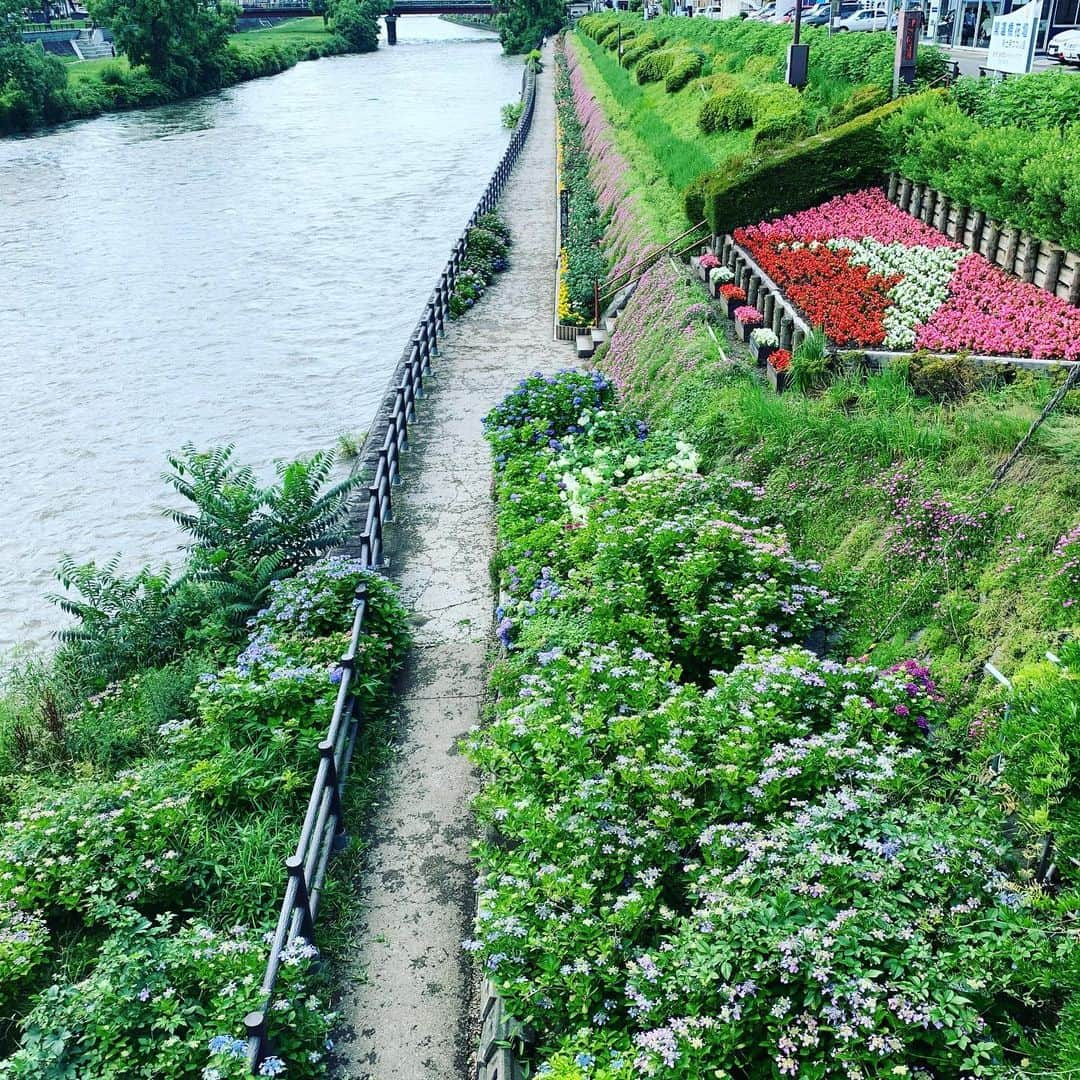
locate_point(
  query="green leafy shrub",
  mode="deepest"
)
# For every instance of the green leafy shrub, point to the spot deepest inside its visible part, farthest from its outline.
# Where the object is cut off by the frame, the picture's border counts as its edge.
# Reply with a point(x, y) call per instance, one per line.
point(163, 1002)
point(778, 112)
point(656, 65)
point(863, 99)
point(236, 522)
point(24, 946)
point(511, 114)
point(1026, 177)
point(488, 244)
point(793, 178)
point(811, 363)
point(94, 844)
point(33, 87)
point(122, 622)
point(729, 109)
point(686, 66)
point(1048, 100)
point(761, 68)
point(638, 47)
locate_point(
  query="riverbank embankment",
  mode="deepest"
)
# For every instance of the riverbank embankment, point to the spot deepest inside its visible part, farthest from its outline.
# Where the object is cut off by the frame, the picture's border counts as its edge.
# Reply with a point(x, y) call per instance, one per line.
point(409, 1016)
point(93, 88)
point(472, 22)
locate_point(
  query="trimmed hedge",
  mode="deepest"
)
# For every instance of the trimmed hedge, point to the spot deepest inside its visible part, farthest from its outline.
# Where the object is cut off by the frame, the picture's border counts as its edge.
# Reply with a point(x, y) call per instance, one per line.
point(761, 186)
point(729, 109)
point(656, 65)
point(686, 66)
point(778, 112)
point(639, 46)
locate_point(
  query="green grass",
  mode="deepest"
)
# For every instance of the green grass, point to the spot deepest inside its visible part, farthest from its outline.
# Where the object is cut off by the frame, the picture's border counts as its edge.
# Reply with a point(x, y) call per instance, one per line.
point(825, 462)
point(85, 70)
point(657, 133)
point(294, 31)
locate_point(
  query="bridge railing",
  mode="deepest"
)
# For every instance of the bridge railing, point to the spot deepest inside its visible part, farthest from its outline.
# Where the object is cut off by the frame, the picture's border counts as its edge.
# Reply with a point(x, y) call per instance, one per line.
point(323, 830)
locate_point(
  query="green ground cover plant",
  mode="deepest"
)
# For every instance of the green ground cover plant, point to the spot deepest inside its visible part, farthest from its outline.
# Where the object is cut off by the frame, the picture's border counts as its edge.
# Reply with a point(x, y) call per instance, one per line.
point(711, 850)
point(155, 772)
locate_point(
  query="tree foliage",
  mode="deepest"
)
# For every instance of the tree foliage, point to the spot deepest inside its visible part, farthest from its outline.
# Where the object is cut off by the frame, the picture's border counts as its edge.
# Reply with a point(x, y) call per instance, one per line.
point(357, 21)
point(33, 85)
point(183, 43)
point(522, 23)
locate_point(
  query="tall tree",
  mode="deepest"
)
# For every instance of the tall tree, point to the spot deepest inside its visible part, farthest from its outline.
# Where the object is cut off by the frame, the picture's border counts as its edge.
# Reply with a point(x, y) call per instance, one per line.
point(522, 23)
point(33, 85)
point(357, 21)
point(181, 42)
point(11, 20)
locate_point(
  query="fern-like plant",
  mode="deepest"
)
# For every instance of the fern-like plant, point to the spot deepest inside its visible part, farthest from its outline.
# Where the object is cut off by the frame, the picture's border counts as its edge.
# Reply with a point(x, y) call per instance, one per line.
point(121, 623)
point(235, 522)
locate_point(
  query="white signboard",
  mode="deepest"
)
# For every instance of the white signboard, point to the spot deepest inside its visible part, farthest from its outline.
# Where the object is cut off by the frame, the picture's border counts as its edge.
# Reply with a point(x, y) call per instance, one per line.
point(1012, 39)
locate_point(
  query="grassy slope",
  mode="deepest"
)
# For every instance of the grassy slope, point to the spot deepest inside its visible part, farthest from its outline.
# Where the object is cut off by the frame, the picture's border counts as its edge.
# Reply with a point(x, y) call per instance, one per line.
point(656, 131)
point(298, 31)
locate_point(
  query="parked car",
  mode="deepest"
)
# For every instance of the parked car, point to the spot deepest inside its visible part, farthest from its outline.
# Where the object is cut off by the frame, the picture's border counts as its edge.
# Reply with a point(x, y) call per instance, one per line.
point(1059, 44)
point(866, 20)
point(789, 16)
point(765, 14)
point(810, 11)
point(820, 15)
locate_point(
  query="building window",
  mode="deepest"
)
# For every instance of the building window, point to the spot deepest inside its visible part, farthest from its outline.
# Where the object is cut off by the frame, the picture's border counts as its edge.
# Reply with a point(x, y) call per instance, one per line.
point(1068, 13)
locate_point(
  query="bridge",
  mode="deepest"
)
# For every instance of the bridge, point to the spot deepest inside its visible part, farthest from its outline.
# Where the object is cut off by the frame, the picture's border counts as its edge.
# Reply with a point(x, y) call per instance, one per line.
point(295, 9)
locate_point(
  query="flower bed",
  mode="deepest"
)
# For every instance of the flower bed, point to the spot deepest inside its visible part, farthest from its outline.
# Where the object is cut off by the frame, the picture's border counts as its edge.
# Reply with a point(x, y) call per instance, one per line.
point(581, 261)
point(873, 276)
point(485, 256)
point(714, 853)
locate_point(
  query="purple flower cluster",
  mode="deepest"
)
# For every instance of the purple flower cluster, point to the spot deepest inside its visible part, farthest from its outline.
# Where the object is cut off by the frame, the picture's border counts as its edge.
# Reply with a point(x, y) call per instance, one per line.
point(930, 530)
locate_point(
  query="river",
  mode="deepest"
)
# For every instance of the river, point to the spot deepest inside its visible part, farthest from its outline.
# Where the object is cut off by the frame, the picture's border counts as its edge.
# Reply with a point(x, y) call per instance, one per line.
point(241, 268)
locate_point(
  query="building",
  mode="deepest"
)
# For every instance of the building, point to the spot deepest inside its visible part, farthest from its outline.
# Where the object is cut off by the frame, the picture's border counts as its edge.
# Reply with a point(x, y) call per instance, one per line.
point(966, 23)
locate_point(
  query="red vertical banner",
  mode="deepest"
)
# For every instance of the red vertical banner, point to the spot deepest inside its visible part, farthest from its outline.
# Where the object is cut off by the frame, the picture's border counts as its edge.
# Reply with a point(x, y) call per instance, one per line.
point(908, 32)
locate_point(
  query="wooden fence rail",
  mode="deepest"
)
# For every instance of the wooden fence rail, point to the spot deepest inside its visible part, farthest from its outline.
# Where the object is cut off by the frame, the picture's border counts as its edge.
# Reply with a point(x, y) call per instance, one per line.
point(323, 830)
point(1047, 265)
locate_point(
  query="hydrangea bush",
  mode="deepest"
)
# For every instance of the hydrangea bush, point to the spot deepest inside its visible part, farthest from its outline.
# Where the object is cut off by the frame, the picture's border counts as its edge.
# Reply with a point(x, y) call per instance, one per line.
point(150, 864)
point(709, 850)
point(168, 1000)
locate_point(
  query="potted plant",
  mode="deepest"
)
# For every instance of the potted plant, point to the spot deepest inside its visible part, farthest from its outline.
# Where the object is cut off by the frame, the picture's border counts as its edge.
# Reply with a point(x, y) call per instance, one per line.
point(718, 277)
point(747, 318)
point(762, 342)
point(778, 369)
point(733, 297)
point(706, 264)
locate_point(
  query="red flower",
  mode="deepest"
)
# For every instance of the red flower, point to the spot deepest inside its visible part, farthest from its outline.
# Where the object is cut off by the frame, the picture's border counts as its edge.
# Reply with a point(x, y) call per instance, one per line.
point(732, 292)
point(780, 360)
point(848, 302)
